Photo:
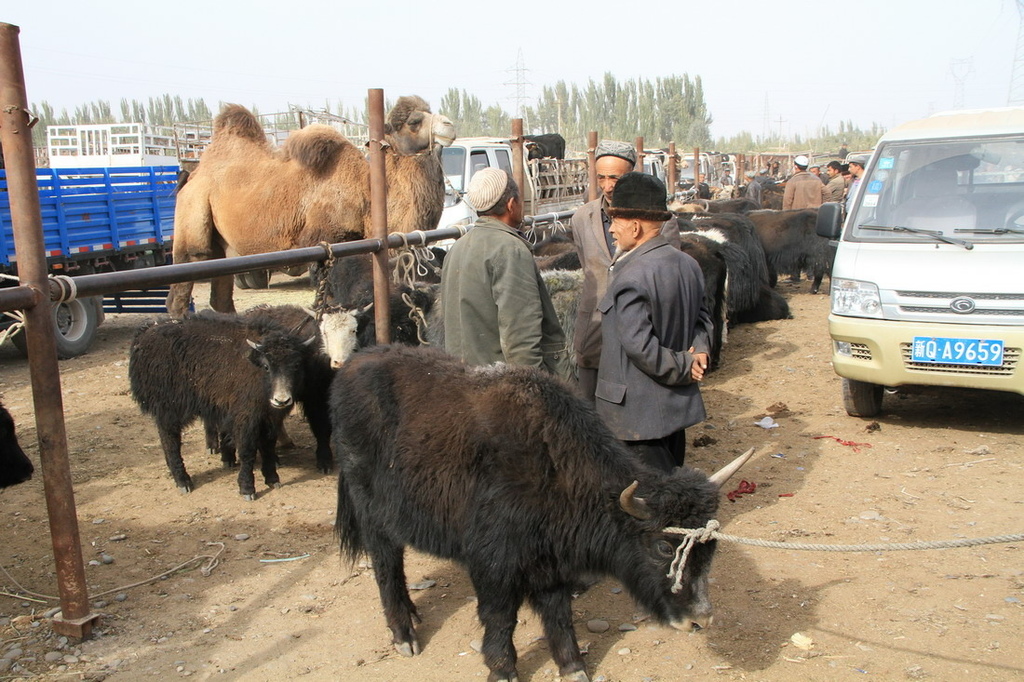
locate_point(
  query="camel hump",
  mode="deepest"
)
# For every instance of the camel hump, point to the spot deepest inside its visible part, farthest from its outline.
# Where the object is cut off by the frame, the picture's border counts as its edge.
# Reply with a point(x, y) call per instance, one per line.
point(316, 147)
point(236, 120)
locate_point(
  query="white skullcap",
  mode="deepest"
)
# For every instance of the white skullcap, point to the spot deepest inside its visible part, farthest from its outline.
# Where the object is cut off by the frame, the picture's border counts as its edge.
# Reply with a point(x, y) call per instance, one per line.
point(486, 188)
point(801, 161)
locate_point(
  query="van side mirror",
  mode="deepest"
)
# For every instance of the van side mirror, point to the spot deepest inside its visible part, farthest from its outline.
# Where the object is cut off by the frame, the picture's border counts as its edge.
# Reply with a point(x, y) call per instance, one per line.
point(830, 220)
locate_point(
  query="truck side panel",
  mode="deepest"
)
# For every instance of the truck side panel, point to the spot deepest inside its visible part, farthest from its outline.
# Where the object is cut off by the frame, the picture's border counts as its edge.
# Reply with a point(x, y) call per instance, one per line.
point(91, 211)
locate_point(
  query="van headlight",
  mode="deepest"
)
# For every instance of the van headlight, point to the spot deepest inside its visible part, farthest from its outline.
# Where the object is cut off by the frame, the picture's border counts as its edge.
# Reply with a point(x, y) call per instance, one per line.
point(855, 299)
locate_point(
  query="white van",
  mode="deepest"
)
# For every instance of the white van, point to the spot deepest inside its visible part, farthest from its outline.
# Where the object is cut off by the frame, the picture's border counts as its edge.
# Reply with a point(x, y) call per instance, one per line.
point(928, 281)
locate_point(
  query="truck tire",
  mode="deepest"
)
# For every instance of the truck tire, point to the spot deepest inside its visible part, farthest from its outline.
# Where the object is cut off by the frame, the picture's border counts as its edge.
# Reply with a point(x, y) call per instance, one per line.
point(241, 282)
point(861, 399)
point(257, 279)
point(75, 323)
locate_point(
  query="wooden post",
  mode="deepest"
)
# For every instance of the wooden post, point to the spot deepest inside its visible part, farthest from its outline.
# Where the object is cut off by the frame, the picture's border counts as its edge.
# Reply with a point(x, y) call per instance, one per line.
point(593, 191)
point(379, 217)
point(74, 619)
point(639, 142)
point(673, 171)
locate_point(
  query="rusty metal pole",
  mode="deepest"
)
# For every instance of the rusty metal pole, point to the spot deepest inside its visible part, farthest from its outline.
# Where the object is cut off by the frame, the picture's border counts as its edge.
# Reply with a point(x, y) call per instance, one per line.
point(19, 159)
point(518, 162)
point(673, 172)
point(593, 191)
point(696, 166)
point(379, 217)
point(639, 142)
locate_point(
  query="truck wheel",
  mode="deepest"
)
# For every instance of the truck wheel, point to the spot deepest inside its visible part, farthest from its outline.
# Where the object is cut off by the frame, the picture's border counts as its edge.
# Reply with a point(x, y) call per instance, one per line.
point(241, 282)
point(257, 279)
point(861, 399)
point(75, 322)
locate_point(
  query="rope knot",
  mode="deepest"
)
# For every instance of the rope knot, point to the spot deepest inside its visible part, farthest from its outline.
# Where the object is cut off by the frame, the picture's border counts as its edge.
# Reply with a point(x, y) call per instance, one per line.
point(691, 536)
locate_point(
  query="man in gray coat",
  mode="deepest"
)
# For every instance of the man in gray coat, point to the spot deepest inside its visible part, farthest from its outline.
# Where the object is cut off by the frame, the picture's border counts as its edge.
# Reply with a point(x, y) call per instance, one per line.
point(656, 330)
point(496, 307)
point(590, 232)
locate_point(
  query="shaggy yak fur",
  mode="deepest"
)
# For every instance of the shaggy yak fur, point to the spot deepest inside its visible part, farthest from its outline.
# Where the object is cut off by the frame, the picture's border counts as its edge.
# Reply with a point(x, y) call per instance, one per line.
point(792, 245)
point(522, 483)
point(711, 256)
point(240, 377)
point(15, 466)
point(350, 291)
point(245, 197)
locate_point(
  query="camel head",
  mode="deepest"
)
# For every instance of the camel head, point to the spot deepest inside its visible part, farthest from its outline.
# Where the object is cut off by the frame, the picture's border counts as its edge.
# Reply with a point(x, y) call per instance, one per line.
point(412, 129)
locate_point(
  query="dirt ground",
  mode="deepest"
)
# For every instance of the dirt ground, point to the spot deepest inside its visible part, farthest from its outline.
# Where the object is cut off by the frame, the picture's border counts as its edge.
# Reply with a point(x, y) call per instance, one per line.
point(282, 604)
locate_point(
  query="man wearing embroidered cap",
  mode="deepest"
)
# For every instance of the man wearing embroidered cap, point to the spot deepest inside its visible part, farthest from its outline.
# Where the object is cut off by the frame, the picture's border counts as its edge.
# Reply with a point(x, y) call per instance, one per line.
point(495, 305)
point(803, 190)
point(594, 244)
point(656, 330)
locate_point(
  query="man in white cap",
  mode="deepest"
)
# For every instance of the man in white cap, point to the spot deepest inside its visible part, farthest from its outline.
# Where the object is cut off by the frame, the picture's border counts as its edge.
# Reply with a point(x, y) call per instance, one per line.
point(496, 307)
point(595, 246)
point(803, 190)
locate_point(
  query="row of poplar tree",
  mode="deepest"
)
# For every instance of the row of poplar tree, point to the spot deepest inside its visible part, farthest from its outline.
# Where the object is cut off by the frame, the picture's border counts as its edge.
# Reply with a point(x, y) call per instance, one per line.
point(661, 110)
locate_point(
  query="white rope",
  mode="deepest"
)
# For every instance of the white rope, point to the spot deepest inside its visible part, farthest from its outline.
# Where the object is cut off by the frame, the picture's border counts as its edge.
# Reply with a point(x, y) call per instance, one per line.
point(704, 536)
point(68, 288)
point(691, 536)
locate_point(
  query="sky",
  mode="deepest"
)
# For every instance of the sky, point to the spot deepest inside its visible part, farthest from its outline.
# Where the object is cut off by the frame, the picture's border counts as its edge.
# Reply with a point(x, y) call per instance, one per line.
point(789, 66)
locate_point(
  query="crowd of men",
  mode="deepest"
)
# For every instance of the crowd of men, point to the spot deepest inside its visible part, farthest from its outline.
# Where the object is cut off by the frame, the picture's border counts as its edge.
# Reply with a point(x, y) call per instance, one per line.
point(806, 187)
point(643, 332)
point(642, 336)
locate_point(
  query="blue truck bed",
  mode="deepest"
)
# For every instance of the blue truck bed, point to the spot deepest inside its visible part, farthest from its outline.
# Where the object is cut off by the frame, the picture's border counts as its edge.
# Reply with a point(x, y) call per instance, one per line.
point(93, 212)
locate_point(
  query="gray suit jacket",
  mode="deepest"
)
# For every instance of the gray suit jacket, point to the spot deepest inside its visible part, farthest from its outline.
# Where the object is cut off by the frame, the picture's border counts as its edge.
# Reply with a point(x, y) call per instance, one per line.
point(653, 312)
point(595, 258)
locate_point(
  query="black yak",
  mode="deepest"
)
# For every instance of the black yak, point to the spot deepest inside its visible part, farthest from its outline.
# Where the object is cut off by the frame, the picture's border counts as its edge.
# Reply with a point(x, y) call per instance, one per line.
point(519, 480)
point(237, 376)
point(15, 466)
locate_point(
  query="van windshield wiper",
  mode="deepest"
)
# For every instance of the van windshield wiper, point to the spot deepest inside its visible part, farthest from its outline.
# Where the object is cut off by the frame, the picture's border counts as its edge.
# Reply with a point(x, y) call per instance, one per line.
point(990, 230)
point(934, 234)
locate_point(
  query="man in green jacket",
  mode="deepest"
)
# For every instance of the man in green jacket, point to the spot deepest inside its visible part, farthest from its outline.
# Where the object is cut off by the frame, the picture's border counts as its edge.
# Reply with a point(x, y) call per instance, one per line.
point(495, 304)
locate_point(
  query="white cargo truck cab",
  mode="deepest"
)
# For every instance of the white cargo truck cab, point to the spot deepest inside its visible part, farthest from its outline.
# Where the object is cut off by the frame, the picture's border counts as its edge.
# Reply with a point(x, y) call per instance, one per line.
point(928, 281)
point(551, 184)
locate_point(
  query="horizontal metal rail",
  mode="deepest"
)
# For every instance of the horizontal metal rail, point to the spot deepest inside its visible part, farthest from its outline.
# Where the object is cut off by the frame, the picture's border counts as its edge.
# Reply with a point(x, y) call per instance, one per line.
point(63, 288)
point(544, 218)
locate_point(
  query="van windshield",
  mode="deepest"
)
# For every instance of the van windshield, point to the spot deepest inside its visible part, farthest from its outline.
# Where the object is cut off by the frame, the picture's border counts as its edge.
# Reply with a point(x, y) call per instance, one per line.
point(963, 189)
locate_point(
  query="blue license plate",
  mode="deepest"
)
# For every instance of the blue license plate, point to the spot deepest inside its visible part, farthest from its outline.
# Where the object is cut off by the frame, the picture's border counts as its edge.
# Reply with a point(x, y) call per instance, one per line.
point(945, 351)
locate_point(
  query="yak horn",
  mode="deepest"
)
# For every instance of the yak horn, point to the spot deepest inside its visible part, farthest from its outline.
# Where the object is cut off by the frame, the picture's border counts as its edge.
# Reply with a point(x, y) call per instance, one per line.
point(634, 506)
point(725, 473)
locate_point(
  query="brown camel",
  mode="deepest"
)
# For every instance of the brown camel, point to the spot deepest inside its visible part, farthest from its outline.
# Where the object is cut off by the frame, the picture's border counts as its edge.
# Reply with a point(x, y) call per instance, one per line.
point(246, 197)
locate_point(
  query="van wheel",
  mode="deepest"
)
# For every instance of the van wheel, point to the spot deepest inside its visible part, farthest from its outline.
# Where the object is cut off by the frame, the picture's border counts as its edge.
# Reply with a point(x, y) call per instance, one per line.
point(75, 323)
point(861, 399)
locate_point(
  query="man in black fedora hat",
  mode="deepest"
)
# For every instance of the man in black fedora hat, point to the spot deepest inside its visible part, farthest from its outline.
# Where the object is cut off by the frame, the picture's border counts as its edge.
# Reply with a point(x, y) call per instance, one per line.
point(655, 327)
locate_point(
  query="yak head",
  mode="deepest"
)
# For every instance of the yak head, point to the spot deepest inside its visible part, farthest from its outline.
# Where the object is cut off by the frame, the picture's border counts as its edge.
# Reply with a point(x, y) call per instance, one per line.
point(280, 356)
point(339, 329)
point(671, 570)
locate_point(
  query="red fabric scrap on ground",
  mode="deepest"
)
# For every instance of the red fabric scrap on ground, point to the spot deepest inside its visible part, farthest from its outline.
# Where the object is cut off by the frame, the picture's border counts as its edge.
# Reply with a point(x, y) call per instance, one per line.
point(745, 488)
point(856, 446)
